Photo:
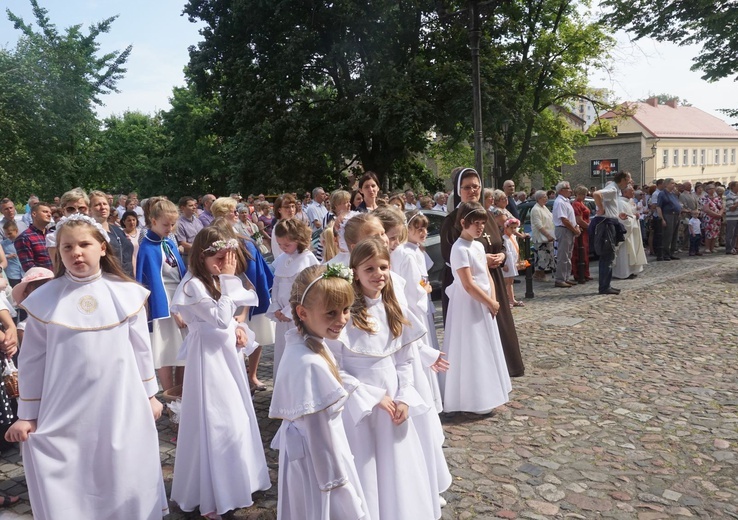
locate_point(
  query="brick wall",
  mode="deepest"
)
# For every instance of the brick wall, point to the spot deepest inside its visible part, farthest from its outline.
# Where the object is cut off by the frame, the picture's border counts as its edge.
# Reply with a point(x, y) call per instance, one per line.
point(626, 148)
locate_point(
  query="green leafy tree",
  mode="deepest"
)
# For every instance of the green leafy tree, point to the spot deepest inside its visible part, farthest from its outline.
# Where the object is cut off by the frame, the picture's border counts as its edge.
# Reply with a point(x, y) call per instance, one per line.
point(309, 89)
point(711, 23)
point(193, 163)
point(127, 155)
point(535, 56)
point(664, 97)
point(51, 80)
point(543, 52)
point(18, 119)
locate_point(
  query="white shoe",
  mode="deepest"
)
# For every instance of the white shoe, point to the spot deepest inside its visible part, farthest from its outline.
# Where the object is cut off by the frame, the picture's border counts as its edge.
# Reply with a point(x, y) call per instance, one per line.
point(442, 501)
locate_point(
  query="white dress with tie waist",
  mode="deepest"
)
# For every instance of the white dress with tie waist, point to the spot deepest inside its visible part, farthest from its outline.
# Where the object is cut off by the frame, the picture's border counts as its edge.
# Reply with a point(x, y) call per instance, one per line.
point(220, 460)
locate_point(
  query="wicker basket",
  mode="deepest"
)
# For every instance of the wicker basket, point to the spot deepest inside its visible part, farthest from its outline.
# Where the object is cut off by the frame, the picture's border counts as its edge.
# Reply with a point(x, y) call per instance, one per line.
point(11, 385)
point(170, 396)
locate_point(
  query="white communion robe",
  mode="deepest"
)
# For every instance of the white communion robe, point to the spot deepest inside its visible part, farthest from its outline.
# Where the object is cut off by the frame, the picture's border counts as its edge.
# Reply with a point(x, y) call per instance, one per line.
point(477, 380)
point(220, 460)
point(630, 257)
point(405, 262)
point(286, 268)
point(427, 424)
point(317, 475)
point(86, 374)
point(389, 458)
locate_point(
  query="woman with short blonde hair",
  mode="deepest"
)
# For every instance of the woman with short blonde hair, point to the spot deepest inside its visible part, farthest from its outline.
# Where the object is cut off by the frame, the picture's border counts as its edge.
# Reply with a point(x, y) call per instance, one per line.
point(542, 235)
point(224, 207)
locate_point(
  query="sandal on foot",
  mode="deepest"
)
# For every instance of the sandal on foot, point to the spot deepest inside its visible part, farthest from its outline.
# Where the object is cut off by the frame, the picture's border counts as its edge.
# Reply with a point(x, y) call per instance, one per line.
point(8, 501)
point(517, 303)
point(257, 388)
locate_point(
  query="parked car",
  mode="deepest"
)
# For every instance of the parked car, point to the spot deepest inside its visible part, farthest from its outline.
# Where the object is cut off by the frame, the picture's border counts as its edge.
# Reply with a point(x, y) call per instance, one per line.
point(525, 208)
point(433, 248)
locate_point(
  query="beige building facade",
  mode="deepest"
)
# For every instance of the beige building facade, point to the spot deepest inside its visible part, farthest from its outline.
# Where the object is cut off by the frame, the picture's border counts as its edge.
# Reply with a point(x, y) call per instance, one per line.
point(680, 142)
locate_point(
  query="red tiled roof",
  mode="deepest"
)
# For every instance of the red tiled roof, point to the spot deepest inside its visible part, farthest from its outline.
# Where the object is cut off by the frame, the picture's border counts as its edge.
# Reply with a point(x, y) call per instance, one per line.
point(668, 121)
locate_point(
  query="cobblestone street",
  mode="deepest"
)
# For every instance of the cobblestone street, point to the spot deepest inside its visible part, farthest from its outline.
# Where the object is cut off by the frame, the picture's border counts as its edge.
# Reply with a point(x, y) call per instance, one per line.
point(628, 409)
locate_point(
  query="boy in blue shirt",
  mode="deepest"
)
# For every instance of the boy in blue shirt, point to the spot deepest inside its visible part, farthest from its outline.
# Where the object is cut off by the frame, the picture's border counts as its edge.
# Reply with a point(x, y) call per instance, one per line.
point(14, 271)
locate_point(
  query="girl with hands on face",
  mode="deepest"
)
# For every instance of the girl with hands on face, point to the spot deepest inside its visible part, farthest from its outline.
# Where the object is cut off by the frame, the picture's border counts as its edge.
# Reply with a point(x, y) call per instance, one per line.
point(479, 381)
point(220, 461)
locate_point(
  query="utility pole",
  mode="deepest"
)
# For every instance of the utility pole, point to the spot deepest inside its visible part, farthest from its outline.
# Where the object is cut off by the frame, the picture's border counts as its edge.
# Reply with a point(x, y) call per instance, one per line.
point(474, 37)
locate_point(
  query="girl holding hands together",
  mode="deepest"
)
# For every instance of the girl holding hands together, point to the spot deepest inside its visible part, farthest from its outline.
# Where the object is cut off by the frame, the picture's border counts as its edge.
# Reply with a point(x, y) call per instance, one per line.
point(376, 351)
point(479, 381)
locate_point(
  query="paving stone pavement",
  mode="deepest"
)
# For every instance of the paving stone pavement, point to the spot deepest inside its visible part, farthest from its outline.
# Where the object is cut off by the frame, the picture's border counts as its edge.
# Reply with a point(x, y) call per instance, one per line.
point(631, 413)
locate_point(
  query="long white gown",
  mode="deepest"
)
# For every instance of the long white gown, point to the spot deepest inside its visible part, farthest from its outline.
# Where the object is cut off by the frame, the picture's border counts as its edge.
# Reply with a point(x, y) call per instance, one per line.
point(631, 256)
point(220, 460)
point(86, 374)
point(478, 380)
point(286, 268)
point(166, 336)
point(512, 254)
point(317, 475)
point(408, 262)
point(389, 458)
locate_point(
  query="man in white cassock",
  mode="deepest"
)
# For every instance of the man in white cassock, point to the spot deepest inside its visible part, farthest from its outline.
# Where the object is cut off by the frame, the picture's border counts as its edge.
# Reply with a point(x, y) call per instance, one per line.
point(630, 257)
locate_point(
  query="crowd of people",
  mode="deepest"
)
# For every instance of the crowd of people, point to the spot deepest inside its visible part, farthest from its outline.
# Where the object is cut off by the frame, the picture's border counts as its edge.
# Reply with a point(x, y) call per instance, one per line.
point(109, 305)
point(118, 302)
point(661, 220)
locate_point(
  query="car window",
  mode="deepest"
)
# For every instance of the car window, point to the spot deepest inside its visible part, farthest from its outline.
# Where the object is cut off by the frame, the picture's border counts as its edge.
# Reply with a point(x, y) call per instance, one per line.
point(435, 222)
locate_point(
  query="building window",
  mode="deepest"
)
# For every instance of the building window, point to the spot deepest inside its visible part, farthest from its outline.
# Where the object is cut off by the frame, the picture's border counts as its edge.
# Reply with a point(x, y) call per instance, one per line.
point(717, 156)
point(702, 157)
point(676, 157)
point(732, 156)
point(666, 158)
point(725, 156)
point(694, 157)
point(685, 157)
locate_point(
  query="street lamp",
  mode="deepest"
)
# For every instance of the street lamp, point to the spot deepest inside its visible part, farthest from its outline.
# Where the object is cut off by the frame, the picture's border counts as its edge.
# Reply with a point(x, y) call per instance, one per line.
point(474, 37)
point(500, 156)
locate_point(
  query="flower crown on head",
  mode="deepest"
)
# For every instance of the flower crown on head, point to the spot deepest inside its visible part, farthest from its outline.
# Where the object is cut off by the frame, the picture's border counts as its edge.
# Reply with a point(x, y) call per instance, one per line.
point(84, 218)
point(331, 271)
point(219, 245)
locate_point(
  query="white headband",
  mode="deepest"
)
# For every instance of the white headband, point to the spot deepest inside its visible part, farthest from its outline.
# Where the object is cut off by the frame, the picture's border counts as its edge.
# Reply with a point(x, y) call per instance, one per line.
point(331, 271)
point(83, 218)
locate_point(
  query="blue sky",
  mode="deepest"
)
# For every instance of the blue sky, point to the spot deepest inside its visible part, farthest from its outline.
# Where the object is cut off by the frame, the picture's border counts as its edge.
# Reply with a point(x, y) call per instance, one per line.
point(160, 37)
